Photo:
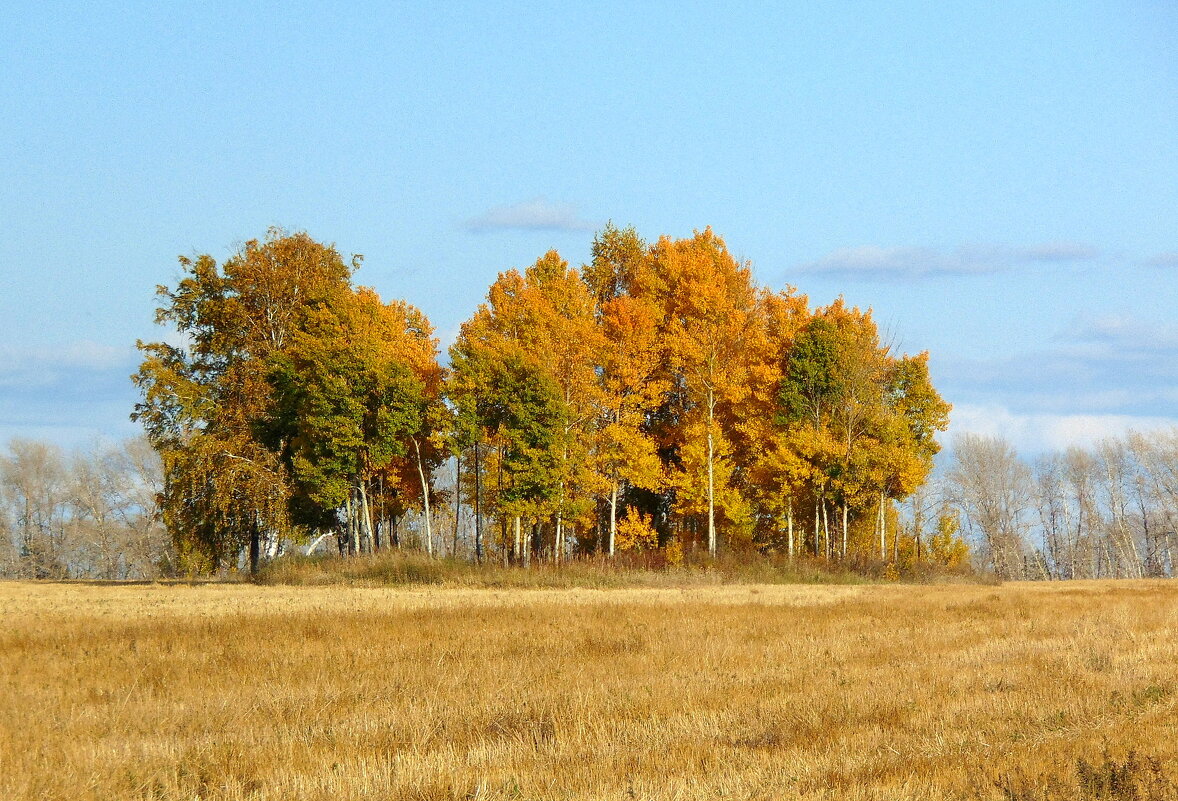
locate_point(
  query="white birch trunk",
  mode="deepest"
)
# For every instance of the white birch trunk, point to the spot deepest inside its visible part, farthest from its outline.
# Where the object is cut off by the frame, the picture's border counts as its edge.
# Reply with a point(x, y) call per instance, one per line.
point(365, 521)
point(711, 476)
point(613, 517)
point(429, 534)
point(883, 541)
point(826, 529)
point(844, 529)
point(558, 538)
point(789, 524)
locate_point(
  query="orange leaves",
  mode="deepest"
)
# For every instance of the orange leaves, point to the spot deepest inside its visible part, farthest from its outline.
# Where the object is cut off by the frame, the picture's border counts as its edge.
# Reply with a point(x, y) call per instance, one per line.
point(707, 310)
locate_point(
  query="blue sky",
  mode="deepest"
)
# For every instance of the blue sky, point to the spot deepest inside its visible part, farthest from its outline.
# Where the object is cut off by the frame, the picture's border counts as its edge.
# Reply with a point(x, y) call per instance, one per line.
point(999, 182)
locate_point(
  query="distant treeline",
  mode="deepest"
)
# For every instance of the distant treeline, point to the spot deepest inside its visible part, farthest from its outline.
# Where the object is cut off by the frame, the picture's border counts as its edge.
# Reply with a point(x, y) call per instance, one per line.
point(91, 513)
point(655, 398)
point(1106, 512)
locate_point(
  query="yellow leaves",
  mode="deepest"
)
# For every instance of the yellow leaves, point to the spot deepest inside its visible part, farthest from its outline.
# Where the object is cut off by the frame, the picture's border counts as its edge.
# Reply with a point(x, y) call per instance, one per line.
point(546, 317)
point(273, 281)
point(946, 547)
point(625, 454)
point(691, 479)
point(635, 532)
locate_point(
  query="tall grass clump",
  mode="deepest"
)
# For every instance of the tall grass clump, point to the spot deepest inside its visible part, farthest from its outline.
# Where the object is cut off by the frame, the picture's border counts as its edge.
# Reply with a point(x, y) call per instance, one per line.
point(393, 568)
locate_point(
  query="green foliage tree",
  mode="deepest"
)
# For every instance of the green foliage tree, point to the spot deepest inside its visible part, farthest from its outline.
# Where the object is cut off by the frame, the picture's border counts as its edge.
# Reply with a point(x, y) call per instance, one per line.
point(290, 390)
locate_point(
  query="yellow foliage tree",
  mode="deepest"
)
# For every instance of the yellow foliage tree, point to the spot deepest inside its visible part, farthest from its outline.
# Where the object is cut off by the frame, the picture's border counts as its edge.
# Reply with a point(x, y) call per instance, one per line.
point(635, 532)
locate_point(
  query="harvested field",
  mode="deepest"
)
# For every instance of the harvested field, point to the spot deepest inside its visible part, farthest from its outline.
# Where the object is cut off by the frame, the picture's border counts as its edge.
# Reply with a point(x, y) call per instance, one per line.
point(224, 691)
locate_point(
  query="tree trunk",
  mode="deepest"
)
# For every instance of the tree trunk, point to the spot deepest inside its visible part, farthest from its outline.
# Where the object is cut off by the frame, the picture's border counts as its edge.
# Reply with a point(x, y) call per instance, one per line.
point(883, 541)
point(503, 538)
point(429, 534)
point(365, 520)
point(558, 537)
point(711, 475)
point(613, 517)
point(478, 507)
point(826, 529)
point(255, 546)
point(518, 552)
point(457, 502)
point(381, 532)
point(895, 536)
point(844, 529)
point(817, 531)
point(355, 544)
point(789, 524)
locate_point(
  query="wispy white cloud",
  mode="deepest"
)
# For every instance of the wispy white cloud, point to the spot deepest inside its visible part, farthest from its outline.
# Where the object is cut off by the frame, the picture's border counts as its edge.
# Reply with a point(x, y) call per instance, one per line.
point(66, 393)
point(43, 365)
point(1099, 376)
point(878, 262)
point(81, 353)
point(874, 262)
point(1168, 259)
point(1056, 251)
point(1121, 337)
point(538, 214)
point(1038, 432)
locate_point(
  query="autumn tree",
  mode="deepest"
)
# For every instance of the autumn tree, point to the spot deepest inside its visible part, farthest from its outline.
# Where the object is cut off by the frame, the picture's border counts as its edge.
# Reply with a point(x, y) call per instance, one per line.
point(811, 387)
point(632, 382)
point(863, 421)
point(513, 415)
point(774, 473)
point(353, 402)
point(707, 300)
point(204, 401)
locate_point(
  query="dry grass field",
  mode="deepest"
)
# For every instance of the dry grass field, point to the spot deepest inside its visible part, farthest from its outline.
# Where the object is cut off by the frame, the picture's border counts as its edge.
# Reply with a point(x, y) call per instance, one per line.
point(227, 691)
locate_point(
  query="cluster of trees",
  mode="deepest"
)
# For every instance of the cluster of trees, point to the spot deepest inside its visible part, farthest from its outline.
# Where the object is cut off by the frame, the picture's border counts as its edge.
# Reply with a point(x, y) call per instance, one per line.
point(88, 514)
point(1106, 512)
point(653, 398)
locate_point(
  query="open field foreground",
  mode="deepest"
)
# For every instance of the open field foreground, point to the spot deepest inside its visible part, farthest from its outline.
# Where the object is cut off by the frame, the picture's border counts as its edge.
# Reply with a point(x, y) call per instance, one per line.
point(889, 692)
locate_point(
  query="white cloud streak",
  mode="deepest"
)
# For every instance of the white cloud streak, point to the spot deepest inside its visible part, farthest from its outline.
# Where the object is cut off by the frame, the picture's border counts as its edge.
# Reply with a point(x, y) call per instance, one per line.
point(537, 214)
point(1105, 376)
point(874, 262)
point(1038, 432)
point(79, 354)
point(43, 365)
point(1169, 259)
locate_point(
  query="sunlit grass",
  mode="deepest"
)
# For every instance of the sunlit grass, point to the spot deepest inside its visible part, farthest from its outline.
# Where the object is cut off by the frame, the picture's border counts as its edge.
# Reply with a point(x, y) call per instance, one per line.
point(234, 691)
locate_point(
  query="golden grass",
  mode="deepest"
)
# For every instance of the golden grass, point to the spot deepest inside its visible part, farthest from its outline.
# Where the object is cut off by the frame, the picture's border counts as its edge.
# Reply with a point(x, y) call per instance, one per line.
point(891, 692)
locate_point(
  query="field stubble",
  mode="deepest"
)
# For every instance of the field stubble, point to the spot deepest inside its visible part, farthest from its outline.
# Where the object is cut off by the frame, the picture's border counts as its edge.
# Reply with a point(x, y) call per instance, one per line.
point(897, 692)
